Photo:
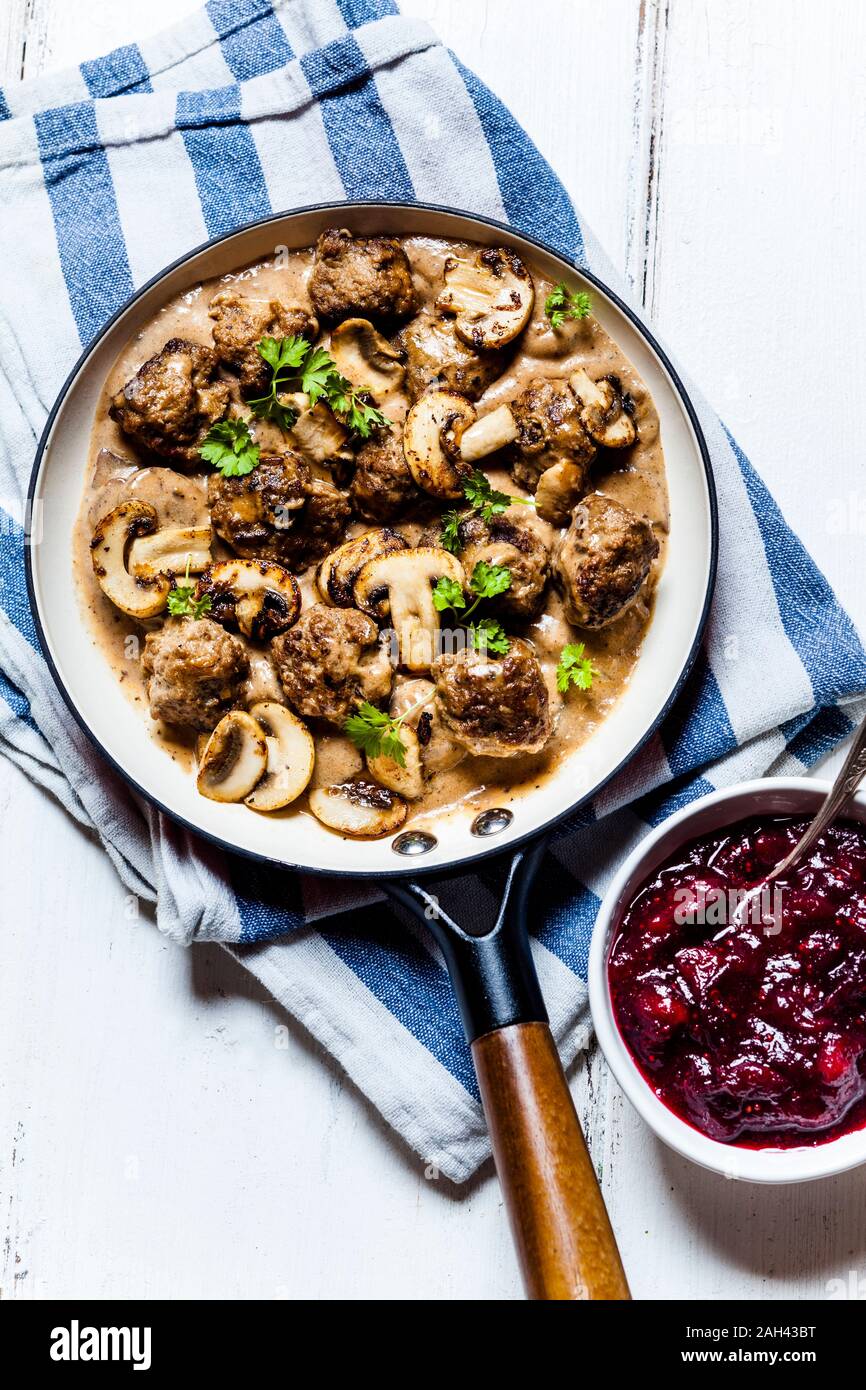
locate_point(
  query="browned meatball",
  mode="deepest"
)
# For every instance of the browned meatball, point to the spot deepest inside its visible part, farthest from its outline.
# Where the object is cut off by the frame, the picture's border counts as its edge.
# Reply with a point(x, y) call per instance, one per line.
point(172, 401)
point(193, 671)
point(602, 560)
point(550, 431)
point(358, 276)
point(382, 488)
point(494, 705)
point(435, 356)
point(512, 539)
point(241, 322)
point(279, 511)
point(331, 660)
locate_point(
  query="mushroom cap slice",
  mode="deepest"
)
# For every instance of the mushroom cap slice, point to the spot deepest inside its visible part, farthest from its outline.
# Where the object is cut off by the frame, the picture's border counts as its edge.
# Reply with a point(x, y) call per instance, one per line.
point(558, 491)
point(291, 757)
point(360, 809)
point(401, 585)
point(319, 435)
point(604, 416)
point(491, 293)
point(431, 442)
point(259, 597)
point(234, 758)
point(336, 575)
point(407, 781)
point(168, 550)
point(366, 358)
point(138, 597)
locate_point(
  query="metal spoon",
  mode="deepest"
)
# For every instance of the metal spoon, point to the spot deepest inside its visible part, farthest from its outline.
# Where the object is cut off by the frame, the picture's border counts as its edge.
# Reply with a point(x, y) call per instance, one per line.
point(847, 780)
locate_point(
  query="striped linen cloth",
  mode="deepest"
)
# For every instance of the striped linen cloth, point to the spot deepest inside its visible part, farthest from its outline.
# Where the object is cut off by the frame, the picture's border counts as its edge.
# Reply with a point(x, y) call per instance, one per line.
point(108, 173)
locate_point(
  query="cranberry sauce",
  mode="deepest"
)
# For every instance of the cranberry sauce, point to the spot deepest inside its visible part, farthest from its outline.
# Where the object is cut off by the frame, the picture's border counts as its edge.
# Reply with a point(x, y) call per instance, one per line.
point(751, 1027)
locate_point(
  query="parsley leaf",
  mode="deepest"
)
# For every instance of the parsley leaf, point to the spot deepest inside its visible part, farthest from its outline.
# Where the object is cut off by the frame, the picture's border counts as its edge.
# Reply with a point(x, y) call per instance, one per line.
point(229, 446)
point(489, 580)
point(489, 635)
point(284, 356)
point(563, 303)
point(448, 593)
point(296, 365)
point(449, 536)
point(575, 668)
point(182, 603)
point(377, 734)
point(483, 497)
point(485, 583)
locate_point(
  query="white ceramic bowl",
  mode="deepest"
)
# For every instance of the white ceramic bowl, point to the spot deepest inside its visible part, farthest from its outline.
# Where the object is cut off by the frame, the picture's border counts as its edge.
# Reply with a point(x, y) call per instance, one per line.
point(779, 796)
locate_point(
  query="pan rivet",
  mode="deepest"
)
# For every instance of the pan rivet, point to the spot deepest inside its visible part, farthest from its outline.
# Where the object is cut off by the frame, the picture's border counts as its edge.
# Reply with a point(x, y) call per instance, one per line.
point(491, 822)
point(413, 842)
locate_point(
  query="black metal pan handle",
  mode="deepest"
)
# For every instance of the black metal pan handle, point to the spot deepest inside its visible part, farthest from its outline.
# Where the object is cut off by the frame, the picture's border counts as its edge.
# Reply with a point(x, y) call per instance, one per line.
point(565, 1244)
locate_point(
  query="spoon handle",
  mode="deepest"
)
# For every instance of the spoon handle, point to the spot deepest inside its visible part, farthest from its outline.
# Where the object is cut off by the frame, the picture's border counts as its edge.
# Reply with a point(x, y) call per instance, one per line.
point(847, 781)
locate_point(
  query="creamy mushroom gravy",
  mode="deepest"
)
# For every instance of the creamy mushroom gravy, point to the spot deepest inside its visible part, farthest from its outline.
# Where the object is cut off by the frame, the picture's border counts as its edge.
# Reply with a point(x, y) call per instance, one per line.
point(636, 478)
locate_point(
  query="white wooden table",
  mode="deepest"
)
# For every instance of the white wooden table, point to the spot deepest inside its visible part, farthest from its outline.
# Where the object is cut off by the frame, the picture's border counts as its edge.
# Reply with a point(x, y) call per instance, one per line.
point(155, 1141)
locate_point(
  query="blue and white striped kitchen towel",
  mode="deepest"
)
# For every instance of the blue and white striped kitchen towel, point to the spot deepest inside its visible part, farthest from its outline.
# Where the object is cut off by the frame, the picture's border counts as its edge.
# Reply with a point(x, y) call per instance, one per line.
point(109, 172)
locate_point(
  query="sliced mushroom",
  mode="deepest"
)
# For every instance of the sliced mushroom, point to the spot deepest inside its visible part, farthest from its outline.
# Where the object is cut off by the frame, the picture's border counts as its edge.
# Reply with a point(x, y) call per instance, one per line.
point(407, 781)
point(234, 758)
point(604, 415)
point(319, 435)
point(258, 597)
point(336, 575)
point(169, 550)
point(432, 437)
point(439, 751)
point(488, 434)
point(366, 358)
point(491, 293)
point(291, 757)
point(112, 538)
point(401, 585)
point(360, 809)
point(558, 492)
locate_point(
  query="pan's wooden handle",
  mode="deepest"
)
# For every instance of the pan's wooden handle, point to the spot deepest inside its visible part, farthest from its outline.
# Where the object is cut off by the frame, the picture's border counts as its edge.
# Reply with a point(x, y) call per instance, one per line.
point(564, 1239)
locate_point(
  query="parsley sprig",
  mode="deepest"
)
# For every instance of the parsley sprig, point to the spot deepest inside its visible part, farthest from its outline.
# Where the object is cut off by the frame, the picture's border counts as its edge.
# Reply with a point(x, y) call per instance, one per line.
point(284, 357)
point(230, 447)
point(563, 303)
point(377, 734)
point(575, 668)
point(484, 499)
point(296, 365)
point(486, 581)
point(182, 602)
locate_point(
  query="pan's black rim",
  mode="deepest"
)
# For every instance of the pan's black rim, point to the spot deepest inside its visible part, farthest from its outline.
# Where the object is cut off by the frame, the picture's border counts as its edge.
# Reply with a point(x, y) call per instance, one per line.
point(413, 870)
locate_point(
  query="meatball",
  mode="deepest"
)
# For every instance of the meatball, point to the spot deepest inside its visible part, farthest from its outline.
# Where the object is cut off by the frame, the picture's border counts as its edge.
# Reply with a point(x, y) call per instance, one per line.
point(331, 660)
point(436, 357)
point(513, 540)
point(279, 512)
point(602, 560)
point(194, 671)
point(497, 706)
point(549, 432)
point(382, 488)
point(172, 401)
point(241, 322)
point(361, 277)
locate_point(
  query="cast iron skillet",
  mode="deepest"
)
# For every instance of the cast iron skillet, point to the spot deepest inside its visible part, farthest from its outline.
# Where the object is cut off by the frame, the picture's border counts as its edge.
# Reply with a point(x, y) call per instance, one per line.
point(564, 1241)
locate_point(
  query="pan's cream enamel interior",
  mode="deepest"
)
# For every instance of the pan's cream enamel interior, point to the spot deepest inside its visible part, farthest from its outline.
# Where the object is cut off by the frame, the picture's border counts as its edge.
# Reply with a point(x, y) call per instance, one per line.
point(118, 727)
